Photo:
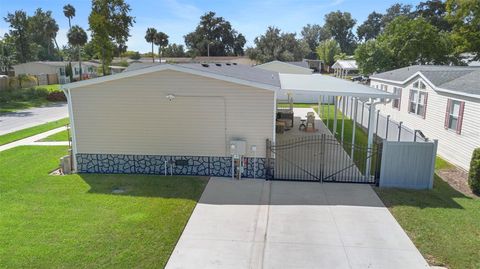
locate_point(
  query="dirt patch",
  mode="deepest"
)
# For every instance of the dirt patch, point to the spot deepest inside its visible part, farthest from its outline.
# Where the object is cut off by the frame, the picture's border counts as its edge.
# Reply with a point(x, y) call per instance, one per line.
point(458, 179)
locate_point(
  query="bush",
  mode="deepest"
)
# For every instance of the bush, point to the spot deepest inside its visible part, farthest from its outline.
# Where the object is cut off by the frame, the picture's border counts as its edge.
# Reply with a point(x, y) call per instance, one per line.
point(56, 96)
point(474, 174)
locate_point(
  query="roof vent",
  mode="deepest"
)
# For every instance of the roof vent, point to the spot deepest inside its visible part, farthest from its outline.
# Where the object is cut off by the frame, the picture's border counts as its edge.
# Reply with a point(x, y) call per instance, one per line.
point(228, 64)
point(218, 64)
point(234, 63)
point(205, 65)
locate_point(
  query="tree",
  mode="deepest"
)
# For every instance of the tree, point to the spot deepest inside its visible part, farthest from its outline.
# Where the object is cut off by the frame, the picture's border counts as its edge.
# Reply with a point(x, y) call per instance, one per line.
point(69, 12)
point(161, 40)
point(77, 37)
point(274, 45)
point(395, 11)
point(370, 28)
point(150, 38)
point(215, 36)
point(327, 50)
point(174, 50)
point(373, 56)
point(19, 32)
point(339, 25)
point(43, 31)
point(7, 54)
point(110, 24)
point(434, 12)
point(465, 19)
point(313, 35)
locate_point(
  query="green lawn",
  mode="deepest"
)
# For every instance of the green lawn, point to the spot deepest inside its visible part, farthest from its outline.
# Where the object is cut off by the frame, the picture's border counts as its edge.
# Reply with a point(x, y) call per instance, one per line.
point(18, 99)
point(443, 223)
point(61, 136)
point(11, 137)
point(76, 222)
point(52, 87)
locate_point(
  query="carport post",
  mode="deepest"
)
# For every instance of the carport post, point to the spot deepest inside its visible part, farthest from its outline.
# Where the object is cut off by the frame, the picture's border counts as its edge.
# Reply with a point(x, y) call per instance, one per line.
point(355, 111)
point(335, 105)
point(343, 115)
point(319, 106)
point(328, 113)
point(370, 137)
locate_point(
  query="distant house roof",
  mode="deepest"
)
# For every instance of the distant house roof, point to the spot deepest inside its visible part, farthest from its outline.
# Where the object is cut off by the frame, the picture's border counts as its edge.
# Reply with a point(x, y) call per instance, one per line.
point(286, 67)
point(60, 63)
point(463, 80)
point(303, 64)
point(345, 64)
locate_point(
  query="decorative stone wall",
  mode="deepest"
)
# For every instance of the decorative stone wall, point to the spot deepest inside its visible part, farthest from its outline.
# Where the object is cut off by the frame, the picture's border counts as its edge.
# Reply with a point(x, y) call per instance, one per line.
point(158, 164)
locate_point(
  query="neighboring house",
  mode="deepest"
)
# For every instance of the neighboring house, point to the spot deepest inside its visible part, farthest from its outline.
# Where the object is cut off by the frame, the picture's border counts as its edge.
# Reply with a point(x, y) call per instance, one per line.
point(441, 101)
point(184, 118)
point(89, 69)
point(342, 68)
point(287, 67)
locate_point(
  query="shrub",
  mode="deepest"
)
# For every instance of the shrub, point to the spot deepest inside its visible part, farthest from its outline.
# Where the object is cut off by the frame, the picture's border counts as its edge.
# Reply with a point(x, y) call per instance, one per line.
point(474, 174)
point(56, 96)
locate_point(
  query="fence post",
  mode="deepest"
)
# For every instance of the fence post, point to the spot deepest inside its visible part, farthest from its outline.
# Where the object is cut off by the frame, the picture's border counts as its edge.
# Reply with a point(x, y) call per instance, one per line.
point(434, 157)
point(399, 130)
point(388, 125)
point(343, 116)
point(268, 156)
point(322, 163)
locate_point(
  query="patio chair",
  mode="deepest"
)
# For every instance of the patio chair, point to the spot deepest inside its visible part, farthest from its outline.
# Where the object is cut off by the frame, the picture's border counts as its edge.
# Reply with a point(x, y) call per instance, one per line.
point(310, 124)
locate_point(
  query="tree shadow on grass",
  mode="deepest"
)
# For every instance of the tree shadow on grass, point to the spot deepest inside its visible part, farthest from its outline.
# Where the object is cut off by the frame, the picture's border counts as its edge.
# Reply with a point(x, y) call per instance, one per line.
point(441, 196)
point(182, 187)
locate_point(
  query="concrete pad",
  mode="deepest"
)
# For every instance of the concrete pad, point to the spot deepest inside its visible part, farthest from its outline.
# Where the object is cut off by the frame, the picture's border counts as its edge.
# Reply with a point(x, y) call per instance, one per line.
point(262, 224)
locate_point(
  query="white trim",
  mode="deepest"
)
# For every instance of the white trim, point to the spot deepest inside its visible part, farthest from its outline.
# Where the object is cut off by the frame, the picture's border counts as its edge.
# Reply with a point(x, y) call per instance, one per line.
point(162, 67)
point(435, 88)
point(274, 117)
point(72, 128)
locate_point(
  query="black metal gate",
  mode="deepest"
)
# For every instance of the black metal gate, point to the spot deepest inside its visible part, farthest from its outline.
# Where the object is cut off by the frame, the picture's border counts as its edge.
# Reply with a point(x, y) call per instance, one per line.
point(322, 158)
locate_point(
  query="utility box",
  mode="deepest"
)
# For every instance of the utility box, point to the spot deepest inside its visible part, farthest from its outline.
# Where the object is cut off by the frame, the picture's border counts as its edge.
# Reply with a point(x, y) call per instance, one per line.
point(66, 165)
point(238, 147)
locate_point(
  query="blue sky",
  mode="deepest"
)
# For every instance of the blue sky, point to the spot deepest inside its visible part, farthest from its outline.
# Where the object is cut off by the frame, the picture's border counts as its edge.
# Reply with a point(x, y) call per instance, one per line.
point(179, 17)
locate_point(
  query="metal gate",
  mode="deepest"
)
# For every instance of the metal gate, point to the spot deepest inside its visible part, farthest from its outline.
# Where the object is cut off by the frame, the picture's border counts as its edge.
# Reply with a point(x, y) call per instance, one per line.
point(322, 158)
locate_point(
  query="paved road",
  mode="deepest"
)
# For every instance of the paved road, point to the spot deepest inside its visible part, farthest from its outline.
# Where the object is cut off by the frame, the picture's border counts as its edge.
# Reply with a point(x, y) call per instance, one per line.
point(265, 224)
point(22, 119)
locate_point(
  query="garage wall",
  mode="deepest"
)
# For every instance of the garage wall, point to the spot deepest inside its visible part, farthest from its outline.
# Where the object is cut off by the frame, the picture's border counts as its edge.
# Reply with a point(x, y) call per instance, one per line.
point(133, 116)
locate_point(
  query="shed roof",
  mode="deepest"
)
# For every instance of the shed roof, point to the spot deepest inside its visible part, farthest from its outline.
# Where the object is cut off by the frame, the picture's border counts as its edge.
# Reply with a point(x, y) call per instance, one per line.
point(345, 64)
point(458, 79)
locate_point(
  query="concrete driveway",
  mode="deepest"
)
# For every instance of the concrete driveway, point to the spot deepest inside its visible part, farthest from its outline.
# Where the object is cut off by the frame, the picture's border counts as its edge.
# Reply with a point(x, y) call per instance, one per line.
point(265, 224)
point(14, 121)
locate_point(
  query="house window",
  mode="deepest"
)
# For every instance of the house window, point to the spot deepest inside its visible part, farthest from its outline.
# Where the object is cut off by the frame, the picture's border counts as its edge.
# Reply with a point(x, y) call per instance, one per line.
point(397, 102)
point(454, 115)
point(76, 70)
point(418, 102)
point(62, 71)
point(384, 88)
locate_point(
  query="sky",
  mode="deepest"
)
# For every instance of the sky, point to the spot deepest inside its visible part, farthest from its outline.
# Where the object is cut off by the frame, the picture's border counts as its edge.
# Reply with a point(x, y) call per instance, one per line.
point(178, 17)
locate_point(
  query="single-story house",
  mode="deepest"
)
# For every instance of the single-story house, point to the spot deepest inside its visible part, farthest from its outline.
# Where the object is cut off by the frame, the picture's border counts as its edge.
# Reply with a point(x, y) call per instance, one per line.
point(441, 101)
point(188, 119)
point(89, 69)
point(342, 68)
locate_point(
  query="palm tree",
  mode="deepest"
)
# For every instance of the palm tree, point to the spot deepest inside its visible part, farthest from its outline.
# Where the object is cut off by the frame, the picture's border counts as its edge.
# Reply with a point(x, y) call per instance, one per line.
point(161, 40)
point(77, 37)
point(69, 12)
point(150, 38)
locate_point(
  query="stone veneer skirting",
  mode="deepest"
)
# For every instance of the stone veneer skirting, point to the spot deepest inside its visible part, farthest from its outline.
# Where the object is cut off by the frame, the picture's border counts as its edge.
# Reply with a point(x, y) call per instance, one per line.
point(155, 164)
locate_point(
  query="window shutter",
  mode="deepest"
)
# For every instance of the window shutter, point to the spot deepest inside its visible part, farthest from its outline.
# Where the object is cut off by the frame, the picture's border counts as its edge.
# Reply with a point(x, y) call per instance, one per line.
point(400, 99)
point(460, 118)
point(447, 113)
point(425, 106)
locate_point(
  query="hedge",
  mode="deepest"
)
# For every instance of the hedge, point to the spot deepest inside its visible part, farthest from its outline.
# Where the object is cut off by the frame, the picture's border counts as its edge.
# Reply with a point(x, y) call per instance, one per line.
point(474, 174)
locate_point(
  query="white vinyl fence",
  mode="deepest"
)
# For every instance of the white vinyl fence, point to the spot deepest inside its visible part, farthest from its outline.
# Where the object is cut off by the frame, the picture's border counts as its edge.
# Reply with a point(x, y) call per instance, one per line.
point(408, 164)
point(385, 128)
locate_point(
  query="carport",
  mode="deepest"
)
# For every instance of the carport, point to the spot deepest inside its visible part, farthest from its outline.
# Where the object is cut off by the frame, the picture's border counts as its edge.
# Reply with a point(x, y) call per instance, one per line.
point(335, 89)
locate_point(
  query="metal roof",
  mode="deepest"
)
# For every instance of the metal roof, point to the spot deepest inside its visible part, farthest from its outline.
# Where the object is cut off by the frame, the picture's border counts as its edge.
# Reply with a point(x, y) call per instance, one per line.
point(459, 79)
point(345, 64)
point(328, 86)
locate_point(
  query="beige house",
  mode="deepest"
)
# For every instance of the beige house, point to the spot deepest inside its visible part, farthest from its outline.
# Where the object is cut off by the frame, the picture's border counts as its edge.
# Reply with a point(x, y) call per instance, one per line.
point(89, 69)
point(180, 117)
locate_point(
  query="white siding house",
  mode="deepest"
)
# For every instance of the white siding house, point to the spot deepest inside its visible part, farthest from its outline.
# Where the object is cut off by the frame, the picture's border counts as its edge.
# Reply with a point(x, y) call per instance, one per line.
point(443, 102)
point(89, 69)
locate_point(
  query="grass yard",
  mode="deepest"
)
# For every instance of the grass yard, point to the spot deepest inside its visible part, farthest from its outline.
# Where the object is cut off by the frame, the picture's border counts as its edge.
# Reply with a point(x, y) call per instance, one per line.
point(18, 99)
point(76, 222)
point(11, 137)
point(443, 223)
point(61, 136)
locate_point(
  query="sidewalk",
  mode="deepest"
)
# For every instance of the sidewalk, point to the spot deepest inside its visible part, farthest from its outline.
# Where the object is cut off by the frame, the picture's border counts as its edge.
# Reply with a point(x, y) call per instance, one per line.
point(31, 141)
point(14, 121)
